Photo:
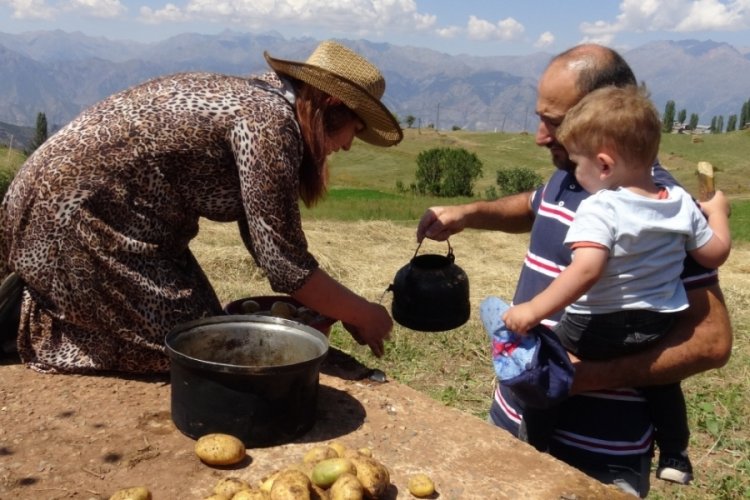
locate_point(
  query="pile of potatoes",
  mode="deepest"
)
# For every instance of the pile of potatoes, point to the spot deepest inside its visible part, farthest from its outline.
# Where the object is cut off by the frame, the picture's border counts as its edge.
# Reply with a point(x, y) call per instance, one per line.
point(326, 472)
point(281, 309)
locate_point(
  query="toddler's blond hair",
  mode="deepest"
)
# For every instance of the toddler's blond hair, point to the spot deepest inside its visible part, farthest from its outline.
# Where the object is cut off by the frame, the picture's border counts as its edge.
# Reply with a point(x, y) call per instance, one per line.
point(619, 120)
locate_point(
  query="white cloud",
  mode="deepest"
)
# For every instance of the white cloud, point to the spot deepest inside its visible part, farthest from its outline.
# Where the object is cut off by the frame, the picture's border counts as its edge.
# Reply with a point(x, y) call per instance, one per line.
point(505, 29)
point(606, 39)
point(362, 16)
point(715, 15)
point(30, 9)
point(672, 15)
point(96, 8)
point(448, 32)
point(169, 13)
point(545, 40)
point(41, 10)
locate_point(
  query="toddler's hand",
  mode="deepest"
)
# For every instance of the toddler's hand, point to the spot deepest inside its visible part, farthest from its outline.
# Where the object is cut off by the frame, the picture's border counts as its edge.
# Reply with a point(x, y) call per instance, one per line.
point(519, 319)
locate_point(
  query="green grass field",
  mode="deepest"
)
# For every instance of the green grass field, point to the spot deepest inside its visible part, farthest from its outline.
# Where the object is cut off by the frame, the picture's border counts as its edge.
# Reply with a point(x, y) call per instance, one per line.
point(379, 169)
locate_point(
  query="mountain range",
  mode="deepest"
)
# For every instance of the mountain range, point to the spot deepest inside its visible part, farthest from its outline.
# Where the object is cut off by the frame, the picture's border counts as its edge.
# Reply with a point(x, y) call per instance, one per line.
point(61, 73)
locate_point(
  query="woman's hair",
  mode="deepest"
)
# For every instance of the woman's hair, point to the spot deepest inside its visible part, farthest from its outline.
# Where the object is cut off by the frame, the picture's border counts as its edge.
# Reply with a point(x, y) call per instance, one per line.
point(317, 118)
point(620, 120)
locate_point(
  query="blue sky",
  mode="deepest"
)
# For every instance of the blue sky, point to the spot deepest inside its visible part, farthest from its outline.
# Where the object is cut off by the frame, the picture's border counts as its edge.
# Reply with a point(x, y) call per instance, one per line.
point(476, 27)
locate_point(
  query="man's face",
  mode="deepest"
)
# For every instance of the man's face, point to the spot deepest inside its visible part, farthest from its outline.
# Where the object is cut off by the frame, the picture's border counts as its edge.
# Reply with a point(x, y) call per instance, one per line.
point(556, 94)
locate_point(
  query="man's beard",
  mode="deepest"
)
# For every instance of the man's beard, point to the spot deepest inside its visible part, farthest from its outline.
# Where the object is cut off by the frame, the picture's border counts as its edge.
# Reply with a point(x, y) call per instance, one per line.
point(560, 157)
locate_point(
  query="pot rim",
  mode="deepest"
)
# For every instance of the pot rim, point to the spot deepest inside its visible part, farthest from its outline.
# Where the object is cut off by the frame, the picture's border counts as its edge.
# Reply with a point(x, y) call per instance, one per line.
point(268, 321)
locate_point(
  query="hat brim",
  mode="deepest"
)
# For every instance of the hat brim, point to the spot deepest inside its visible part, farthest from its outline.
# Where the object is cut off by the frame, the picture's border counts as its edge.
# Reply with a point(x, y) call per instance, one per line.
point(381, 127)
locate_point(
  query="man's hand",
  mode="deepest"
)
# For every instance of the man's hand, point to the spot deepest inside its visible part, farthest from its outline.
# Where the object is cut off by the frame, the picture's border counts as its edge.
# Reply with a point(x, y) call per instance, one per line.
point(439, 223)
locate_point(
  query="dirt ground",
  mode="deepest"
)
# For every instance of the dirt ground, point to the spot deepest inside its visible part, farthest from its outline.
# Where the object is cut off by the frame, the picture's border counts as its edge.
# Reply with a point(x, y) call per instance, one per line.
point(84, 437)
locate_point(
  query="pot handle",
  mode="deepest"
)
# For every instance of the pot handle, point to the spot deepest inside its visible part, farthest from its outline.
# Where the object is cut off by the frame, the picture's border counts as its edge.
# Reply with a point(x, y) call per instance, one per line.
point(450, 255)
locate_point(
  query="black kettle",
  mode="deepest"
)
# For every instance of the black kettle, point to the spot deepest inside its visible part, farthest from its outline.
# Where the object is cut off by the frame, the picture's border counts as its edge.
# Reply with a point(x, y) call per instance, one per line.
point(431, 293)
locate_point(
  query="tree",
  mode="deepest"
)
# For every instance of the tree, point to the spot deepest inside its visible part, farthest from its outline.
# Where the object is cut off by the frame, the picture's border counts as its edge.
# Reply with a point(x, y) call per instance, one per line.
point(732, 123)
point(719, 124)
point(682, 115)
point(41, 133)
point(447, 172)
point(714, 123)
point(409, 120)
point(668, 119)
point(693, 121)
point(744, 115)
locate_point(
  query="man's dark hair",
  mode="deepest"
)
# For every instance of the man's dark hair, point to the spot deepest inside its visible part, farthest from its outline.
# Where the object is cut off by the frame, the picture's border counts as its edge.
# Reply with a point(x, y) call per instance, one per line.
point(602, 67)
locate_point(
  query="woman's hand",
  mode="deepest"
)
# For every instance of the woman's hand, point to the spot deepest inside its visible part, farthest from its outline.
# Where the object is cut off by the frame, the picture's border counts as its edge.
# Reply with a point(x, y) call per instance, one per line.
point(372, 328)
point(368, 322)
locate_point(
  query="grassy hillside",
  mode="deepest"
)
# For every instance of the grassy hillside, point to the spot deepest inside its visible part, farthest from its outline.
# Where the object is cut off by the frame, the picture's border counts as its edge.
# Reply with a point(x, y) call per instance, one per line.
point(378, 168)
point(10, 161)
point(363, 180)
point(370, 167)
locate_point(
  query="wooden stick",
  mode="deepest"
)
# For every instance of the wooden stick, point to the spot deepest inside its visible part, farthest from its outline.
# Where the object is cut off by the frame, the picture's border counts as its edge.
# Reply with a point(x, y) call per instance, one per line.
point(706, 187)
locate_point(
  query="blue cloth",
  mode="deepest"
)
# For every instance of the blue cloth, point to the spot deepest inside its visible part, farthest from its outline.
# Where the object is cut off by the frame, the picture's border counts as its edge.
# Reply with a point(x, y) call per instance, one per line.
point(536, 366)
point(511, 353)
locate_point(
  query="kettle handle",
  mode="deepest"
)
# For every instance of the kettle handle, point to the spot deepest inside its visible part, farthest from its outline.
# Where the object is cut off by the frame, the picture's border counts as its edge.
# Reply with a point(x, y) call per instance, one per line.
point(450, 255)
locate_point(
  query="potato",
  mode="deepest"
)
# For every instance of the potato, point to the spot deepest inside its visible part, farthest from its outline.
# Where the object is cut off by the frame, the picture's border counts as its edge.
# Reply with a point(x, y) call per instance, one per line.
point(306, 467)
point(251, 495)
point(228, 486)
point(216, 496)
point(135, 493)
point(267, 483)
point(318, 453)
point(220, 449)
point(249, 306)
point(347, 487)
point(340, 448)
point(349, 453)
point(373, 475)
point(291, 484)
point(421, 485)
point(327, 471)
point(282, 309)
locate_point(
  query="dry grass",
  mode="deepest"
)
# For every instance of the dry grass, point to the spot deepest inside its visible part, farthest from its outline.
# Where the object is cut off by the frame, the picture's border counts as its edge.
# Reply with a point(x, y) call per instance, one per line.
point(364, 256)
point(454, 367)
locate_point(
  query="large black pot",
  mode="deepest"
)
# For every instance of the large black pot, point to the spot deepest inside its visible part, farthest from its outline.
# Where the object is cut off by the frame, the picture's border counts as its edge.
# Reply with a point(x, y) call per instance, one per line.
point(254, 377)
point(431, 293)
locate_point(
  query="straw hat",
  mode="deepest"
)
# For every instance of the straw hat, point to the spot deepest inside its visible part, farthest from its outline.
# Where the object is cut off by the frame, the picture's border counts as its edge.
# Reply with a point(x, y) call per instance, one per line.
point(341, 73)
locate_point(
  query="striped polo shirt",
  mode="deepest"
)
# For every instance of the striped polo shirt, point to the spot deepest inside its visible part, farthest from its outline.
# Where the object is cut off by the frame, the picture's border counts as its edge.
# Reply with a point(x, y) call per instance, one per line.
point(594, 428)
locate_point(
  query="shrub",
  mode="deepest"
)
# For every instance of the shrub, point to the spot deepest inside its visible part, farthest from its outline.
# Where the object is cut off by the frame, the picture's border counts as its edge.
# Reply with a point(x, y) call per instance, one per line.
point(517, 180)
point(5, 178)
point(447, 172)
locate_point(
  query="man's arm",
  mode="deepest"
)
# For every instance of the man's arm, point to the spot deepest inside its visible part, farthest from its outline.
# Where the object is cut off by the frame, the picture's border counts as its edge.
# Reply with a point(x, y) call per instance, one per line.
point(510, 214)
point(700, 340)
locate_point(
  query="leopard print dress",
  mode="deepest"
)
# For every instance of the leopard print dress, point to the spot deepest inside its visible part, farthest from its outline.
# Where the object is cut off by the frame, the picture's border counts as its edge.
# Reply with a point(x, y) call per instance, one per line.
point(98, 220)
